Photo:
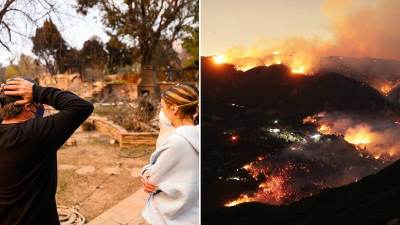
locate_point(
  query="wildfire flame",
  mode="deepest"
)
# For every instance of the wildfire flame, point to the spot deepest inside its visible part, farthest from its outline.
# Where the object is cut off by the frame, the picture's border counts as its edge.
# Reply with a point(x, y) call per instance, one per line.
point(244, 68)
point(300, 69)
point(219, 59)
point(309, 119)
point(360, 135)
point(324, 129)
point(275, 189)
point(298, 64)
point(386, 88)
point(283, 180)
point(242, 199)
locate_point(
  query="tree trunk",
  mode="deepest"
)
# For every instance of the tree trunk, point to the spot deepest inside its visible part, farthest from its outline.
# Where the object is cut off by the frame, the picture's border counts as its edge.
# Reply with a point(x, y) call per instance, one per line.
point(146, 61)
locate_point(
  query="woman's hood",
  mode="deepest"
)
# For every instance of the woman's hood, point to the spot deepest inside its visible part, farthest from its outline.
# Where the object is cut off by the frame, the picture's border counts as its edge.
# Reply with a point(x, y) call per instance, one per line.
point(191, 134)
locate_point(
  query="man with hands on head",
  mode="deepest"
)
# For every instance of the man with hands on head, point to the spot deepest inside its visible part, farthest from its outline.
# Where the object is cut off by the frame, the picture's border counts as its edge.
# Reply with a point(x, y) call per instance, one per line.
point(28, 149)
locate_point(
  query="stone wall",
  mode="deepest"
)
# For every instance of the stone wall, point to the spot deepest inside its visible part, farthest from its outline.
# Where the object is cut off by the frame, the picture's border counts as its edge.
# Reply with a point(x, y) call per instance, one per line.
point(138, 138)
point(71, 82)
point(118, 133)
point(114, 88)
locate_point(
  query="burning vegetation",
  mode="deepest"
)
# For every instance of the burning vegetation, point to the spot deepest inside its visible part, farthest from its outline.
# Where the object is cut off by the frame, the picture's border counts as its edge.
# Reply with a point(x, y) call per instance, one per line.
point(295, 156)
point(378, 137)
point(351, 37)
point(387, 87)
point(298, 63)
point(356, 133)
point(274, 188)
point(339, 149)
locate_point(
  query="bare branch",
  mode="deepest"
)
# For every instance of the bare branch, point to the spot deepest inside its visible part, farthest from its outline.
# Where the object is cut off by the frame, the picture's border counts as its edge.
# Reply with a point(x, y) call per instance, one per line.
point(29, 17)
point(14, 10)
point(4, 10)
point(4, 45)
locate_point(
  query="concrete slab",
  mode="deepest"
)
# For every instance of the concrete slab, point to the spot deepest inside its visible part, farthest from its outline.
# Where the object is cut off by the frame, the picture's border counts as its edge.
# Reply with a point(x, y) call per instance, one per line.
point(126, 212)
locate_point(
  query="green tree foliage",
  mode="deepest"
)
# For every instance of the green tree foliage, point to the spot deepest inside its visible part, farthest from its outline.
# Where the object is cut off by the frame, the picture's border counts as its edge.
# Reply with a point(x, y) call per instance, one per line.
point(145, 23)
point(27, 66)
point(191, 45)
point(11, 71)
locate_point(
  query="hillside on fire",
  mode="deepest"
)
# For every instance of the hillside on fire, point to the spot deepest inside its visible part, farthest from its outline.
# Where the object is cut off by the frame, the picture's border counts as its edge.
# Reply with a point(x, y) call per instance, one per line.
point(297, 147)
point(373, 200)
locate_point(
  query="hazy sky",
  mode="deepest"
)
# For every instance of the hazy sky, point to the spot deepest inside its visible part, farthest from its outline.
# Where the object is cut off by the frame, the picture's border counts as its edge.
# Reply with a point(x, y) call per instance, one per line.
point(226, 23)
point(75, 29)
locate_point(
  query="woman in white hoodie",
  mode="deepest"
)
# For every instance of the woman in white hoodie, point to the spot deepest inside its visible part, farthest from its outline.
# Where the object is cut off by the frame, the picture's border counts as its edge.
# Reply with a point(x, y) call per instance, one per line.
point(172, 176)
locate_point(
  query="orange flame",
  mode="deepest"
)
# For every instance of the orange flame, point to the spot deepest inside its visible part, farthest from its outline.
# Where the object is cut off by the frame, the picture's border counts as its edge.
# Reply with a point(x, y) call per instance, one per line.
point(242, 199)
point(386, 88)
point(360, 135)
point(300, 69)
point(273, 190)
point(324, 129)
point(298, 63)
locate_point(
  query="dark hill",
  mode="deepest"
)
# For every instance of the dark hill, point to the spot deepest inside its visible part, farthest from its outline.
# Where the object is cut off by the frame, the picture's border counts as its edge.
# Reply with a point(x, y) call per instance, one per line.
point(394, 95)
point(276, 90)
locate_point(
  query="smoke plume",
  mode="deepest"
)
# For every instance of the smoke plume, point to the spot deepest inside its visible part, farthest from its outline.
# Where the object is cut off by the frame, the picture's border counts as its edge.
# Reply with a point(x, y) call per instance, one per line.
point(358, 30)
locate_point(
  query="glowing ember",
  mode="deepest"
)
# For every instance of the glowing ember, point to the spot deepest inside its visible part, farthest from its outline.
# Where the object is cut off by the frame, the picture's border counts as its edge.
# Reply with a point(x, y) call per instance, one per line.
point(219, 59)
point(260, 158)
point(273, 189)
point(305, 168)
point(276, 189)
point(234, 138)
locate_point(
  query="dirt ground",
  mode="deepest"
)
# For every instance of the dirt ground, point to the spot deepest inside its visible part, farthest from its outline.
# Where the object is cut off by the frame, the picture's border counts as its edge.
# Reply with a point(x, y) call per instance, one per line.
point(95, 174)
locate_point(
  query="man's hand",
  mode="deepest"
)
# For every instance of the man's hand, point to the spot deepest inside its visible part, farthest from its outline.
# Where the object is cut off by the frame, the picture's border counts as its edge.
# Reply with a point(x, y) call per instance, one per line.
point(148, 187)
point(19, 87)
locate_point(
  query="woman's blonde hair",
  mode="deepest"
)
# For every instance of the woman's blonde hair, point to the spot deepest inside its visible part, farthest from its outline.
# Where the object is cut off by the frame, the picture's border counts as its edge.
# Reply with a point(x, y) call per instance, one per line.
point(186, 97)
